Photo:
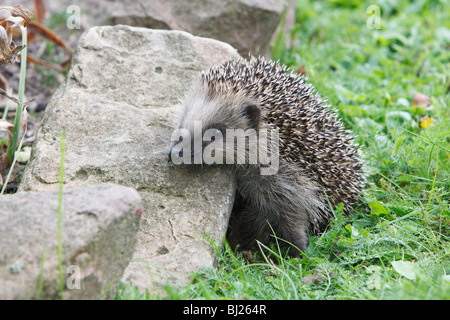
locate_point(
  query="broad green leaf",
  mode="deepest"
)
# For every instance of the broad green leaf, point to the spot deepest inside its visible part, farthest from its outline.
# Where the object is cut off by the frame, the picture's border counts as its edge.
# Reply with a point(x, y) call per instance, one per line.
point(24, 154)
point(407, 269)
point(446, 278)
point(377, 208)
point(354, 230)
point(374, 281)
point(396, 119)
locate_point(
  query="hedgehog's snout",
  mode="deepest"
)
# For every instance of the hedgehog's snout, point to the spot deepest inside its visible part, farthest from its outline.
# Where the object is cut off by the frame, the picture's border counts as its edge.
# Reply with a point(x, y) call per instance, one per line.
point(177, 153)
point(175, 149)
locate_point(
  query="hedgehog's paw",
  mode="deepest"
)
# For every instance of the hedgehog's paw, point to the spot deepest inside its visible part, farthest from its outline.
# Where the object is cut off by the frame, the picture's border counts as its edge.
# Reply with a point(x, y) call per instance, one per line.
point(297, 238)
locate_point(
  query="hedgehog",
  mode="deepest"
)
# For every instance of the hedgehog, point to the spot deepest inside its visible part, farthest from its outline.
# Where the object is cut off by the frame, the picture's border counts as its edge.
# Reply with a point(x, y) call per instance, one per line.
point(320, 165)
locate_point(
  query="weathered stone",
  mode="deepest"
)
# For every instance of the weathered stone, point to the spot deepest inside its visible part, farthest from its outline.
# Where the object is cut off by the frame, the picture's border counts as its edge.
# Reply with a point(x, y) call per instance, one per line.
point(247, 25)
point(116, 109)
point(98, 236)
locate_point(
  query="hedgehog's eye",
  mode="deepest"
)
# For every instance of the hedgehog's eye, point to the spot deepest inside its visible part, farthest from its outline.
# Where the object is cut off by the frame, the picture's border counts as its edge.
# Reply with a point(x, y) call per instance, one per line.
point(253, 114)
point(211, 135)
point(216, 133)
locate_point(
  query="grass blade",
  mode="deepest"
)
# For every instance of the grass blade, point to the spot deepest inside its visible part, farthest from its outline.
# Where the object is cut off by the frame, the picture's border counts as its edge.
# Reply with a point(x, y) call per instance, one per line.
point(17, 120)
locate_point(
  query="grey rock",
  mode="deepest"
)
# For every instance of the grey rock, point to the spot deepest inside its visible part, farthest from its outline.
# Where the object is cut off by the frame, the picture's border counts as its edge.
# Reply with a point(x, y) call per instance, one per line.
point(98, 237)
point(247, 25)
point(116, 109)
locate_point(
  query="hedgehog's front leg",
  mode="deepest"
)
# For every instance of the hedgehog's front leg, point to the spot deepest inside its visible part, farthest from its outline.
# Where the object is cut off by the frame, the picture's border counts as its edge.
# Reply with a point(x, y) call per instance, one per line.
point(290, 227)
point(283, 205)
point(247, 227)
point(250, 225)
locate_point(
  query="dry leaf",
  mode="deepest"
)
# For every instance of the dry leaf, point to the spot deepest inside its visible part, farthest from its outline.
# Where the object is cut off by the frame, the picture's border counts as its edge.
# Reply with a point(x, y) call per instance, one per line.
point(24, 119)
point(38, 28)
point(20, 17)
point(39, 9)
point(5, 46)
point(4, 125)
point(5, 39)
point(21, 12)
point(3, 162)
point(312, 278)
point(420, 99)
point(301, 70)
point(316, 278)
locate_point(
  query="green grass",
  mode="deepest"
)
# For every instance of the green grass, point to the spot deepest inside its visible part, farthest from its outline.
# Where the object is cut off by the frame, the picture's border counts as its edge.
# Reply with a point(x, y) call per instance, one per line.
point(11, 153)
point(396, 244)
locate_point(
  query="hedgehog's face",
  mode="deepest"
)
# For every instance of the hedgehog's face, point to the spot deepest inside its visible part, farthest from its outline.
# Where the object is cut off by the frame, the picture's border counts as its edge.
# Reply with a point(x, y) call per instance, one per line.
point(206, 123)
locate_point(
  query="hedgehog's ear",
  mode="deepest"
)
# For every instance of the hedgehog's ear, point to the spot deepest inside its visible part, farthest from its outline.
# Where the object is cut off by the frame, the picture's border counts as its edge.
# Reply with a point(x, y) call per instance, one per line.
point(253, 114)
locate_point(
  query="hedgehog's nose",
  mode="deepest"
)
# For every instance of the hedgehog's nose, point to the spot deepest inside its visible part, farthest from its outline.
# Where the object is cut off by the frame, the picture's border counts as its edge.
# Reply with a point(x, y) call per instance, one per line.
point(175, 150)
